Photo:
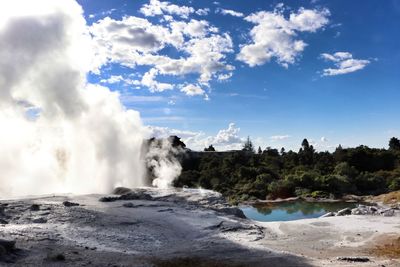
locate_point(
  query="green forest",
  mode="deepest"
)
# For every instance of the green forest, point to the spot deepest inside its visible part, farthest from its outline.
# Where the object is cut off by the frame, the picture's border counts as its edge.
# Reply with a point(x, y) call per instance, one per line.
point(250, 173)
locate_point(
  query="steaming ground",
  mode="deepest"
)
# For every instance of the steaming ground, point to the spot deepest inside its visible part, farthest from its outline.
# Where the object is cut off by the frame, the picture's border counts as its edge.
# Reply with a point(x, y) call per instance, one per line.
point(189, 227)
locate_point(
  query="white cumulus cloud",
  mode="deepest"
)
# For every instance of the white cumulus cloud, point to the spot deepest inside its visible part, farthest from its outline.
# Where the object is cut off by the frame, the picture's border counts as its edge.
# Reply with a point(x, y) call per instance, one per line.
point(113, 79)
point(344, 63)
point(202, 11)
point(230, 12)
point(192, 90)
point(132, 41)
point(276, 36)
point(155, 7)
point(148, 80)
point(225, 139)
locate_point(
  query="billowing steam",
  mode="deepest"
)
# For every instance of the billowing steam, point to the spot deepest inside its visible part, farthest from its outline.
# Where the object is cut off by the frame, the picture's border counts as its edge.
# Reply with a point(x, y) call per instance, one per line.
point(58, 133)
point(162, 161)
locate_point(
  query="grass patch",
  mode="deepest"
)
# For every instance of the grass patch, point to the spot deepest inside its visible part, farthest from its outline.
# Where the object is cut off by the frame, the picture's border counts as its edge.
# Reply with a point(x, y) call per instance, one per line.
point(389, 198)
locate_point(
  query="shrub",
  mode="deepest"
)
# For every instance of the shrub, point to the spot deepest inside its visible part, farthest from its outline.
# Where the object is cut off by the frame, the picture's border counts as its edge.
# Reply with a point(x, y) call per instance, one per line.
point(320, 194)
point(281, 189)
point(395, 184)
point(302, 192)
point(335, 184)
point(369, 183)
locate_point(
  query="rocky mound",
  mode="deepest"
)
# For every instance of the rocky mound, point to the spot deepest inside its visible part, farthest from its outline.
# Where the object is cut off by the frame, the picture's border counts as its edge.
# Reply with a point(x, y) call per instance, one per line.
point(193, 198)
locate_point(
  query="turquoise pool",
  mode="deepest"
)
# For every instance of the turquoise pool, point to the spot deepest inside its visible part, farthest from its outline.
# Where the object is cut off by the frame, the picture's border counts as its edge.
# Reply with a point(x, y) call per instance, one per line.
point(294, 210)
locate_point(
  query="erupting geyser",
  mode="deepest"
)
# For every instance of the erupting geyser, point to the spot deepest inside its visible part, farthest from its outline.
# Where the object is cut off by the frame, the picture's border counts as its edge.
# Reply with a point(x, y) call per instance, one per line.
point(58, 132)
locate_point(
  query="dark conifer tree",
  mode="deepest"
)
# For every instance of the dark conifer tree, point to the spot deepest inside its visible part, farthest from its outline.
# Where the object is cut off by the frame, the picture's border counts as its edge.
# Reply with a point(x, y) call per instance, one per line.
point(394, 143)
point(248, 145)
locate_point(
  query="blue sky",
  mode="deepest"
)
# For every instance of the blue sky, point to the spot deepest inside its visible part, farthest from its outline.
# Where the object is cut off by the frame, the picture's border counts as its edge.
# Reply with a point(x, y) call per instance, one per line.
point(279, 70)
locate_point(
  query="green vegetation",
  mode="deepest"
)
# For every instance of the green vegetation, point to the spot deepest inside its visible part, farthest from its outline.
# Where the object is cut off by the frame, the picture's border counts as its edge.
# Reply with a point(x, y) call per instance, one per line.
point(269, 174)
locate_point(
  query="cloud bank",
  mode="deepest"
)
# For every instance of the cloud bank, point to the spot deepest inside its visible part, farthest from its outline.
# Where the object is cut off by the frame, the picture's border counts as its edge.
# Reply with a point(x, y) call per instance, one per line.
point(133, 41)
point(279, 137)
point(225, 139)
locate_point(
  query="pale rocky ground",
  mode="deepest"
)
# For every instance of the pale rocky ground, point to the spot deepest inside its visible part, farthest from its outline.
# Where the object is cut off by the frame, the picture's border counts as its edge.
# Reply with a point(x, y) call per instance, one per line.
point(179, 228)
point(326, 239)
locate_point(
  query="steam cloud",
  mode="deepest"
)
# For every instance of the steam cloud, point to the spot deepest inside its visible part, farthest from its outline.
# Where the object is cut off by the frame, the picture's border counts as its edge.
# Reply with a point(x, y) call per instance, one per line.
point(58, 132)
point(162, 160)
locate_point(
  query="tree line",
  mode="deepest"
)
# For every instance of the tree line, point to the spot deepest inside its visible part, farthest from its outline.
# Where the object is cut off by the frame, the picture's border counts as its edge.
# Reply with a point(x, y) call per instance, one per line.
point(269, 174)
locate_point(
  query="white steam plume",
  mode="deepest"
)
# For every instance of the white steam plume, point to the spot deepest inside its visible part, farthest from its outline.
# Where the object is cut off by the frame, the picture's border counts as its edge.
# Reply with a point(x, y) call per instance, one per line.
point(59, 133)
point(162, 160)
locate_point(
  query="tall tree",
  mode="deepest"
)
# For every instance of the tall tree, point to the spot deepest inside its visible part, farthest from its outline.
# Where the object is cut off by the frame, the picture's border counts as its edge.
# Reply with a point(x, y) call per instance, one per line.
point(305, 145)
point(248, 145)
point(394, 143)
point(306, 153)
point(210, 148)
point(259, 150)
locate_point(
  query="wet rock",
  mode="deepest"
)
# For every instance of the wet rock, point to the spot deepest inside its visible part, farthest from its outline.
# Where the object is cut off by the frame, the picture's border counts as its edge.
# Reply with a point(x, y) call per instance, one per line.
point(228, 226)
point(395, 206)
point(343, 212)
point(70, 204)
point(136, 195)
point(165, 210)
point(35, 207)
point(108, 199)
point(353, 259)
point(213, 227)
point(121, 191)
point(358, 211)
point(129, 223)
point(39, 220)
point(215, 200)
point(3, 253)
point(8, 245)
point(60, 257)
point(2, 210)
point(56, 257)
point(387, 212)
point(2, 221)
point(128, 205)
point(232, 211)
point(7, 249)
point(373, 210)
